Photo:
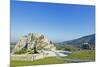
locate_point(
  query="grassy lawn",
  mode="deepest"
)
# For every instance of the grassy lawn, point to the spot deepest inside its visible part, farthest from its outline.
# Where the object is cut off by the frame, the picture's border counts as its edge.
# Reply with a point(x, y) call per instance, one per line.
point(82, 55)
point(49, 60)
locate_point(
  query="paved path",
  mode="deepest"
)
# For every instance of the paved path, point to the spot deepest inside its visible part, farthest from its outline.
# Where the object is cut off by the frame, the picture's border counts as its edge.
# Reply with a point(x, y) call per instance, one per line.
point(69, 60)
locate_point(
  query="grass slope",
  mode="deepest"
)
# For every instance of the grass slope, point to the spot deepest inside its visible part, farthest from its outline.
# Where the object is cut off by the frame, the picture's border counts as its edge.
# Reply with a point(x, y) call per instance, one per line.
point(83, 55)
point(49, 60)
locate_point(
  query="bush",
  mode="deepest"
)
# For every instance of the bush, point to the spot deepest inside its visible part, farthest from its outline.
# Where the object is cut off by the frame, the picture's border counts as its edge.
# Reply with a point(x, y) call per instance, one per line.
point(70, 48)
point(85, 46)
point(23, 51)
point(32, 52)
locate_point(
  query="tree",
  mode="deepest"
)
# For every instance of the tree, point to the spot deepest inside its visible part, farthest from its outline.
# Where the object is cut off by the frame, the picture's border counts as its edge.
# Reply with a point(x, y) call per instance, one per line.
point(85, 46)
point(35, 48)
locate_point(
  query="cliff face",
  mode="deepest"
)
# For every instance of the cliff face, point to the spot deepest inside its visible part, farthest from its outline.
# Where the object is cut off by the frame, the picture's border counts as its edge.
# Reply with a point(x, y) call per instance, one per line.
point(34, 42)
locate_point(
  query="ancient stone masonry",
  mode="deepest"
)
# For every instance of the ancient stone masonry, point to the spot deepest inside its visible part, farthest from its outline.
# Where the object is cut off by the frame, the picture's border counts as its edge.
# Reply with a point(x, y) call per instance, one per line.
point(33, 42)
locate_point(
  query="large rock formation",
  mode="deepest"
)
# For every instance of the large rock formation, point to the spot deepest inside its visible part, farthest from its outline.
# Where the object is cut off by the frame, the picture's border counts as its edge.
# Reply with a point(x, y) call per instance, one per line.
point(33, 43)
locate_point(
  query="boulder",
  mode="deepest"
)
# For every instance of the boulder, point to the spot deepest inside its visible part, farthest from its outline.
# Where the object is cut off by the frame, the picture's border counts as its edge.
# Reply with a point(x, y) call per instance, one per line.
point(32, 43)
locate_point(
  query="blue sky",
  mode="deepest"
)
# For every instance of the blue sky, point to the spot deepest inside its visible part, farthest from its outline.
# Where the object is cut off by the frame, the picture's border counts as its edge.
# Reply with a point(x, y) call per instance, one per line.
point(59, 22)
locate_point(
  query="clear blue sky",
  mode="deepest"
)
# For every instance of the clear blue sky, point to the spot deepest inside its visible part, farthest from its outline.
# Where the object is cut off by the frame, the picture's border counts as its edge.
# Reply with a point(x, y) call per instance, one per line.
point(59, 22)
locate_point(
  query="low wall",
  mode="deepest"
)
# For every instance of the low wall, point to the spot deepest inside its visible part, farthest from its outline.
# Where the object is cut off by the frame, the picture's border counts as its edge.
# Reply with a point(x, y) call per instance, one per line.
point(32, 57)
point(29, 57)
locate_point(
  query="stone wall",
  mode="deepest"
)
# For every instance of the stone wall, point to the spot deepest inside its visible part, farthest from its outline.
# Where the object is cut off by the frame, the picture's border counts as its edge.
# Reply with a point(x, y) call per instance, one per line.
point(28, 57)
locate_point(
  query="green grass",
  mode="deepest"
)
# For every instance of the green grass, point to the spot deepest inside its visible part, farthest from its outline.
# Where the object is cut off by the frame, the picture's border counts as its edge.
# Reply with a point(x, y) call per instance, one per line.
point(49, 60)
point(82, 55)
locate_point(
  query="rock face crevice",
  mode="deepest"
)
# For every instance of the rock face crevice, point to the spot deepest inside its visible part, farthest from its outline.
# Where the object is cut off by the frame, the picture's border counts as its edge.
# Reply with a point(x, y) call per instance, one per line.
point(33, 43)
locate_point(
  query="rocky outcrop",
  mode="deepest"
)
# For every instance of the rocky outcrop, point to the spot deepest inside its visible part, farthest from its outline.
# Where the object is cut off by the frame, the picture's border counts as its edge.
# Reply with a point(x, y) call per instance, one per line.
point(33, 43)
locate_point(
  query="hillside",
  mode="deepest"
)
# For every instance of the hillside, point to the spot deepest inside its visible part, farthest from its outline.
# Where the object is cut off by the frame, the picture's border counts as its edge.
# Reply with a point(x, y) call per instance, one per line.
point(79, 41)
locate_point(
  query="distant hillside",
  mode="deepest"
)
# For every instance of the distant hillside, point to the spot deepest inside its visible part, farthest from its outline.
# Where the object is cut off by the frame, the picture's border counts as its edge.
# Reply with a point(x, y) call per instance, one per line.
point(76, 42)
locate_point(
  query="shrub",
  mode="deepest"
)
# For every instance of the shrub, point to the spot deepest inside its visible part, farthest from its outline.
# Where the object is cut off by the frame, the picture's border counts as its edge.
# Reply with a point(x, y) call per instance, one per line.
point(85, 46)
point(70, 48)
point(23, 51)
